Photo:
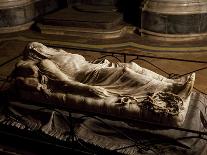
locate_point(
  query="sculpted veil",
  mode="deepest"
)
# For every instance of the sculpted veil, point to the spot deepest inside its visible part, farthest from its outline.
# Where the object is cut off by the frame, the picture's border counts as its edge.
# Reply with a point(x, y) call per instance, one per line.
point(122, 89)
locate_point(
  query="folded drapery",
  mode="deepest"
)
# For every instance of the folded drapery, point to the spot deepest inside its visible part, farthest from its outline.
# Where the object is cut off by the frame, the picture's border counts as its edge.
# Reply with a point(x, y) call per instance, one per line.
point(126, 90)
point(114, 135)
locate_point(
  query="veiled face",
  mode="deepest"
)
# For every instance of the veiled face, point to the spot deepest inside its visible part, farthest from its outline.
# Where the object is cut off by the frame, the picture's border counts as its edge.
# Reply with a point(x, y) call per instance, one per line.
point(38, 51)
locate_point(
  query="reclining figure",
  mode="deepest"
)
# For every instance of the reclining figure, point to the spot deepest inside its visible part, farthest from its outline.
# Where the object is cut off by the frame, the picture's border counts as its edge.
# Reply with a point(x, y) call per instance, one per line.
point(121, 89)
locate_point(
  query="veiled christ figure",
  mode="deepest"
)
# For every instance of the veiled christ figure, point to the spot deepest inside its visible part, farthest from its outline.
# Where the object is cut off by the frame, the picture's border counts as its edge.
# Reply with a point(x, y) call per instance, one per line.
point(125, 89)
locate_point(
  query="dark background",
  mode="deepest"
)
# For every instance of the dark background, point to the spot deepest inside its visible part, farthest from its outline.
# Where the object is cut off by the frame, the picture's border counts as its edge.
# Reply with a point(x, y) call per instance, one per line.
point(129, 8)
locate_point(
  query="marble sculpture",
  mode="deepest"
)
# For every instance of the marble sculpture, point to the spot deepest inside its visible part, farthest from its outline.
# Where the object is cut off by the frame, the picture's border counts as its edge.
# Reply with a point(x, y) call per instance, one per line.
point(54, 76)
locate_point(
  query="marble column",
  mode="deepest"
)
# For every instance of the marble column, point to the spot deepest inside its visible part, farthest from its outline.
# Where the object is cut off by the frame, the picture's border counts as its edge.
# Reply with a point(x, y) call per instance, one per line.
point(17, 15)
point(174, 19)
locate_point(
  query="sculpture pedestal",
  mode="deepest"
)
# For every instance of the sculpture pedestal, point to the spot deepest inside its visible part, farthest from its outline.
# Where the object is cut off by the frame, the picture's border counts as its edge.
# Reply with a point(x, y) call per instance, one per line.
point(174, 19)
point(84, 21)
point(18, 15)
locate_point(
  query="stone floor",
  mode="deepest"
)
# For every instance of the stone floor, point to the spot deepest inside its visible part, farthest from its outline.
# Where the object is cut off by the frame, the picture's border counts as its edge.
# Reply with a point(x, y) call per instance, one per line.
point(165, 58)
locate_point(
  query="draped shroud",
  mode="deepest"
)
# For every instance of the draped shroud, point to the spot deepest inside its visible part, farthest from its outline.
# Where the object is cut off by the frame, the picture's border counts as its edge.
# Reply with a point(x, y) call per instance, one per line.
point(117, 89)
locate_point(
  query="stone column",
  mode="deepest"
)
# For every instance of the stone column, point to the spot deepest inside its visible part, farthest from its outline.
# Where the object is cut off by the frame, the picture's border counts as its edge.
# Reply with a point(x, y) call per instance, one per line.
point(174, 19)
point(5, 4)
point(17, 15)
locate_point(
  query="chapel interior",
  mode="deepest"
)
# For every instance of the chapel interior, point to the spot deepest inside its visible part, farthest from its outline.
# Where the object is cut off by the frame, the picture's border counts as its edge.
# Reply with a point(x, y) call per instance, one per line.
point(168, 37)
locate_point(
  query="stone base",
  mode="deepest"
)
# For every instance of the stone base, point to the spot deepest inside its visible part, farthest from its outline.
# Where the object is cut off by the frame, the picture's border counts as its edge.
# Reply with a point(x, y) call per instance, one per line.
point(172, 37)
point(84, 32)
point(16, 28)
point(74, 17)
point(84, 21)
point(17, 15)
point(174, 20)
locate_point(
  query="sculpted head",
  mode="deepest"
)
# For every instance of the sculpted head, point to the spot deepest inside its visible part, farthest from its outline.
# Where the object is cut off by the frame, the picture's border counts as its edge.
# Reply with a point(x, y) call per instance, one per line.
point(38, 51)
